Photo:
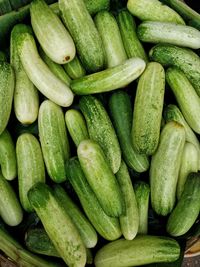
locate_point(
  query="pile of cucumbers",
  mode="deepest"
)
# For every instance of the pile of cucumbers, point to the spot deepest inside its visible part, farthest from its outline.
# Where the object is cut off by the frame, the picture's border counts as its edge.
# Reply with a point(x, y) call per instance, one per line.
point(99, 125)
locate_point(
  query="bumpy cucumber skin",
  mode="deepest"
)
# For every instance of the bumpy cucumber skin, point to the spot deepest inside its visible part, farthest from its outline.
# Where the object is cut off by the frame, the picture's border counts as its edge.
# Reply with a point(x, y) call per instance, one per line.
point(74, 69)
point(94, 6)
point(148, 108)
point(165, 167)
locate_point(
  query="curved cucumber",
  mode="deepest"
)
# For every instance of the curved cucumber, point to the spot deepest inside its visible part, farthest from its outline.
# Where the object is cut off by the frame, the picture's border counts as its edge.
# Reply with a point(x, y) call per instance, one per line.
point(165, 167)
point(53, 139)
point(74, 69)
point(109, 79)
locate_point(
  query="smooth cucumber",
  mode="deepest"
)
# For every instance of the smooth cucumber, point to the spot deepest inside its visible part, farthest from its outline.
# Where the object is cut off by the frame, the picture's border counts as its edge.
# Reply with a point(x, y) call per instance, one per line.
point(74, 68)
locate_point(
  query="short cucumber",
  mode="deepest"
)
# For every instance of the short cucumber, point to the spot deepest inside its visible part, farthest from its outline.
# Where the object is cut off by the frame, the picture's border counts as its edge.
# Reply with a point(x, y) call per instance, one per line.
point(109, 79)
point(76, 126)
point(111, 37)
point(60, 228)
point(74, 68)
point(101, 130)
point(121, 114)
point(148, 106)
point(165, 167)
point(8, 160)
point(2, 56)
point(54, 140)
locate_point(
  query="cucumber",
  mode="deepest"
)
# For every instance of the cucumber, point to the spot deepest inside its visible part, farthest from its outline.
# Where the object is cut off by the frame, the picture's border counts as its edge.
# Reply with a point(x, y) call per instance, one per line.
point(109, 79)
point(186, 97)
point(75, 69)
point(6, 93)
point(8, 160)
point(167, 32)
point(101, 130)
point(148, 106)
point(153, 10)
point(15, 4)
point(54, 140)
point(5, 7)
point(111, 38)
point(142, 192)
point(84, 33)
point(60, 228)
point(94, 6)
point(182, 58)
point(100, 177)
point(129, 221)
point(2, 56)
point(10, 209)
point(144, 249)
point(26, 99)
point(30, 164)
point(39, 73)
point(86, 231)
point(107, 227)
point(121, 114)
point(130, 40)
point(76, 126)
point(187, 209)
point(165, 167)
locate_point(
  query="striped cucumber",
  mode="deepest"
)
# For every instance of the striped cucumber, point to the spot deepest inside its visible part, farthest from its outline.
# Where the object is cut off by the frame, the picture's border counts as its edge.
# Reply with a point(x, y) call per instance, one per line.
point(121, 114)
point(108, 227)
point(148, 108)
point(109, 79)
point(101, 130)
point(129, 221)
point(76, 126)
point(60, 228)
point(74, 68)
point(8, 160)
point(30, 164)
point(53, 139)
point(131, 42)
point(111, 38)
point(2, 56)
point(84, 33)
point(165, 167)
point(100, 177)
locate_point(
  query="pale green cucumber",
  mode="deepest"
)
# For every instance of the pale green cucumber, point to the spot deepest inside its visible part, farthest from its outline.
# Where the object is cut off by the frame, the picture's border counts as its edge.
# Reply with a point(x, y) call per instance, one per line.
point(153, 10)
point(75, 69)
point(76, 126)
point(2, 56)
point(30, 165)
point(8, 160)
point(101, 130)
point(165, 167)
point(111, 38)
point(129, 221)
point(53, 139)
point(109, 79)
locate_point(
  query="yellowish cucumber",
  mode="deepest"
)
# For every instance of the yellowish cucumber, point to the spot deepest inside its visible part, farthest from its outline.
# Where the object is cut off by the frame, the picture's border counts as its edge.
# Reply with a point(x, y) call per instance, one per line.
point(74, 68)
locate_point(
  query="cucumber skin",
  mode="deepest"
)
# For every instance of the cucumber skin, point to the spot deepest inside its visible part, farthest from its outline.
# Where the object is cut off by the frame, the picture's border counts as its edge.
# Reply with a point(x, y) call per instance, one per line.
point(75, 69)
point(2, 56)
point(163, 180)
point(121, 114)
point(94, 6)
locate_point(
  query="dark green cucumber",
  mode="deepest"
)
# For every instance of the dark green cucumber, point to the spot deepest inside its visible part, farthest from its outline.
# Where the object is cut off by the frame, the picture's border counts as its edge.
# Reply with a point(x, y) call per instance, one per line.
point(5, 7)
point(101, 130)
point(74, 69)
point(94, 6)
point(2, 56)
point(121, 113)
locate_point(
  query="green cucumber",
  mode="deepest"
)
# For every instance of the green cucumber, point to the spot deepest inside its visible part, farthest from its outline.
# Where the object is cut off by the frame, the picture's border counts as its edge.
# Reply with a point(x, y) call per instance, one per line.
point(53, 139)
point(187, 209)
point(153, 10)
point(7, 83)
point(39, 73)
point(186, 97)
point(94, 6)
point(111, 38)
point(76, 126)
point(10, 209)
point(144, 249)
point(84, 33)
point(182, 58)
point(100, 177)
point(167, 32)
point(58, 225)
point(142, 192)
point(148, 106)
point(8, 160)
point(5, 7)
point(165, 167)
point(101, 130)
point(129, 221)
point(109, 79)
point(121, 114)
point(74, 69)
point(2, 56)
point(30, 164)
point(131, 42)
point(108, 227)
